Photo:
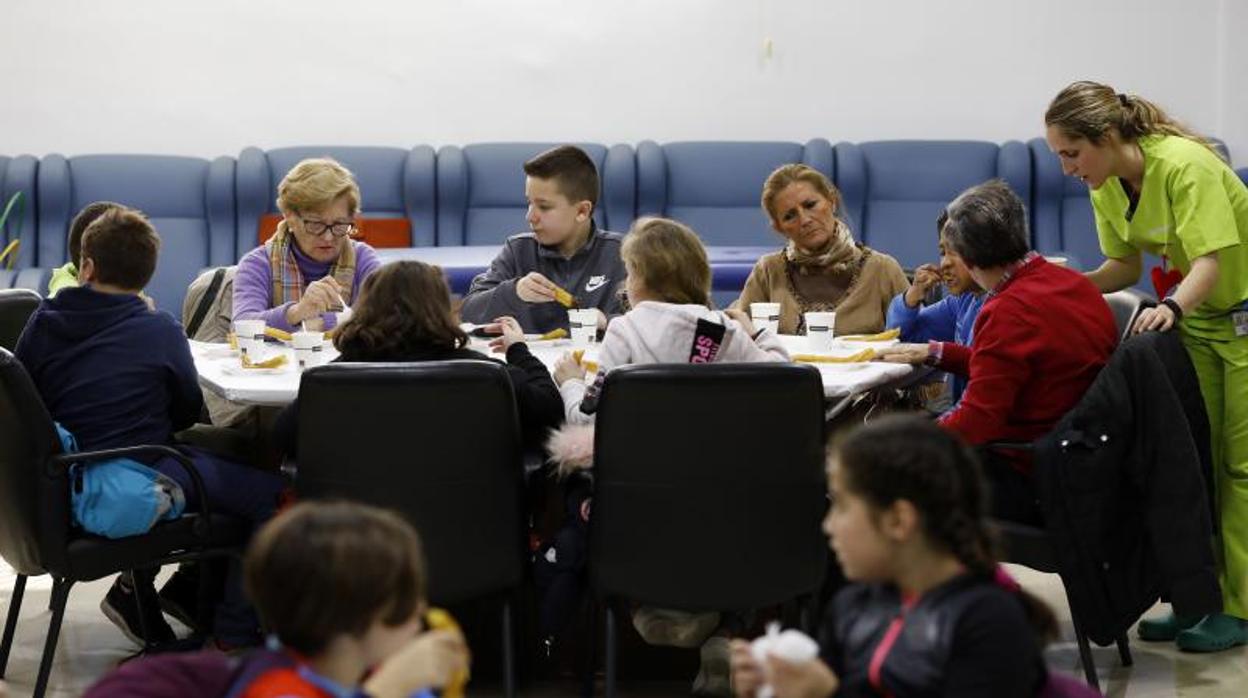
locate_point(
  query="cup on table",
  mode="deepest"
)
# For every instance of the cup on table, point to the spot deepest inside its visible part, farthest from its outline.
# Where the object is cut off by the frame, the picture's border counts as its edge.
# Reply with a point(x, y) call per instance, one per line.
point(313, 323)
point(583, 325)
point(819, 328)
point(250, 335)
point(309, 348)
point(765, 315)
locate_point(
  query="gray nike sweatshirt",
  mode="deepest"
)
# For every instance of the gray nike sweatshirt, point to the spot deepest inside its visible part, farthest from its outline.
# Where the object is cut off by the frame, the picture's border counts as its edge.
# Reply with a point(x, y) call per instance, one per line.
point(592, 276)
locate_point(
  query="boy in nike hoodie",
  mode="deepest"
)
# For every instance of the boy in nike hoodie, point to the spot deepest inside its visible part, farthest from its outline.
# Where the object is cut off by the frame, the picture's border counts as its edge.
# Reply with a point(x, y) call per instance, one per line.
point(115, 373)
point(565, 249)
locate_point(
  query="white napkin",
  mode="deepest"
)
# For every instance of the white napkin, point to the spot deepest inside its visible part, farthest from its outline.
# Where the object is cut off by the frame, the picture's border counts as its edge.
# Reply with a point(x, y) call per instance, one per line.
point(790, 645)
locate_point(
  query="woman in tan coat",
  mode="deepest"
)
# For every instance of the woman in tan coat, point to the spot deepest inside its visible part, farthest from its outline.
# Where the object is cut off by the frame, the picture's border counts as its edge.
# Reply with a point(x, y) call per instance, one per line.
point(821, 267)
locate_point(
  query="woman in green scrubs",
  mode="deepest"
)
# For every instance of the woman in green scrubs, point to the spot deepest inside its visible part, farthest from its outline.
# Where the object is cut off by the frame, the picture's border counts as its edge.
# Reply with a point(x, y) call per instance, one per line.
point(1158, 188)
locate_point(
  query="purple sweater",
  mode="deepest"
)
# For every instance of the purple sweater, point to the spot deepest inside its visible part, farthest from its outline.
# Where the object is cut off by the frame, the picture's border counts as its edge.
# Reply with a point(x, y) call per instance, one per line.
point(253, 284)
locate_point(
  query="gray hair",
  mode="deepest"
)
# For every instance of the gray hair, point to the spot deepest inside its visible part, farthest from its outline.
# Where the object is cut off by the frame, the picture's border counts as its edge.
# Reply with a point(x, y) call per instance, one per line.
point(987, 225)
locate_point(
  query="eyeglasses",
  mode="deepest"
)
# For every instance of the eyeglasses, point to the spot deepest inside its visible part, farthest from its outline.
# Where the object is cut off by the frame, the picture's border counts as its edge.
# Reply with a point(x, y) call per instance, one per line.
point(316, 228)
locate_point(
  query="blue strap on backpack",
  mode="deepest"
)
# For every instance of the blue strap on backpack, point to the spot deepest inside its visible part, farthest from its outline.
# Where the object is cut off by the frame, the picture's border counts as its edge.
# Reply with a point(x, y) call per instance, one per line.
point(119, 497)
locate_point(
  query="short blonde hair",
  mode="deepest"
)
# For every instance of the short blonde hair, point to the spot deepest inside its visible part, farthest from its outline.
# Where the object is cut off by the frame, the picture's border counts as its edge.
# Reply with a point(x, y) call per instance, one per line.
point(316, 183)
point(669, 259)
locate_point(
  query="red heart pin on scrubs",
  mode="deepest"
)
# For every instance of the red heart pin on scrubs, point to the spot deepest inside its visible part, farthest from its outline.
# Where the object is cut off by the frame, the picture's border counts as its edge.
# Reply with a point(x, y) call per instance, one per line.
point(1165, 280)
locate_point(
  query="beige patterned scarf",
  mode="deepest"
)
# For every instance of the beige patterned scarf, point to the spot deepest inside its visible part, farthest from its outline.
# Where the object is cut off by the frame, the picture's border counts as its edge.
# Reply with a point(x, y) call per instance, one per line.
point(839, 256)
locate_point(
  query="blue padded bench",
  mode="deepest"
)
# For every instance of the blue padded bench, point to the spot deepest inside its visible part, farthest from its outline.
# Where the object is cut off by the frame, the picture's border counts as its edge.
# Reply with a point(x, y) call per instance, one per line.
point(189, 200)
point(17, 174)
point(894, 190)
point(481, 190)
point(715, 187)
point(397, 198)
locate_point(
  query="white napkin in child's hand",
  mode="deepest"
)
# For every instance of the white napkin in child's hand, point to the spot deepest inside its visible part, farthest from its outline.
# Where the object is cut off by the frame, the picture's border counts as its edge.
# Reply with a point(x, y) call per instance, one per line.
point(790, 645)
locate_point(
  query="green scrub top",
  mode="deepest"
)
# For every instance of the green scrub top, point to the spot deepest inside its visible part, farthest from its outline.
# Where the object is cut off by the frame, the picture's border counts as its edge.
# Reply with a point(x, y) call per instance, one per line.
point(1191, 204)
point(62, 277)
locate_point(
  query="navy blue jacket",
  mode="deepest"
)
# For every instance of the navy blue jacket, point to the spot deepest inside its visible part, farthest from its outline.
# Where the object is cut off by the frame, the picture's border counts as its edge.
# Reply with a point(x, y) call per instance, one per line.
point(111, 371)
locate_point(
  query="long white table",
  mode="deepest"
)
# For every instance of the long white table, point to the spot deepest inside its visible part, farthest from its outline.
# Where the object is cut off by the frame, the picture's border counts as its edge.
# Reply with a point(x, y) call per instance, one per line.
point(220, 370)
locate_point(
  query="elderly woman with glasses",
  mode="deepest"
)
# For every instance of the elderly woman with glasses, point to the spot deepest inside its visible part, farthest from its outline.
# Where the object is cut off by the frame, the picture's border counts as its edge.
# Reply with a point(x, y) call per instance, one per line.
point(311, 268)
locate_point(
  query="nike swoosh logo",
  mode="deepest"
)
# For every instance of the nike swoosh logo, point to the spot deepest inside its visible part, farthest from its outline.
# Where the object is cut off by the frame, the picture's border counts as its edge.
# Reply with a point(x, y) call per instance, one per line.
point(595, 284)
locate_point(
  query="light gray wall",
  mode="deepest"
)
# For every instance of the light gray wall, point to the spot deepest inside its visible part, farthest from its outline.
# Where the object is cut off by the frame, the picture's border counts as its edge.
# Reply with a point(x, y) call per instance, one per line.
point(210, 77)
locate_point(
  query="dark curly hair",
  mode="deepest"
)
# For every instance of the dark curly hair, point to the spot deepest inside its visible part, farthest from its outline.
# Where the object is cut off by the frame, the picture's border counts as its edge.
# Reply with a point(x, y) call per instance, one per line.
point(909, 457)
point(403, 314)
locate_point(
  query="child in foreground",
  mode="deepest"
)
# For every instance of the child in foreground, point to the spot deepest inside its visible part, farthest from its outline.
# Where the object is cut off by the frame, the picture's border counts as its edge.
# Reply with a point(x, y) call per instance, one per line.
point(931, 612)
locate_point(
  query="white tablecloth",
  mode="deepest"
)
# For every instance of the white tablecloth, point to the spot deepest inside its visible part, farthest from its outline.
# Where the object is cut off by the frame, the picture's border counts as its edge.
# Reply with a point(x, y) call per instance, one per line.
point(220, 370)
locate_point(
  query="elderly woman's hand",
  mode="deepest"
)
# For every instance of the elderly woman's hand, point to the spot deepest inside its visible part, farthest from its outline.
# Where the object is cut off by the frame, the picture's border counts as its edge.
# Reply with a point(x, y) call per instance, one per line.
point(567, 368)
point(508, 331)
point(321, 296)
point(913, 354)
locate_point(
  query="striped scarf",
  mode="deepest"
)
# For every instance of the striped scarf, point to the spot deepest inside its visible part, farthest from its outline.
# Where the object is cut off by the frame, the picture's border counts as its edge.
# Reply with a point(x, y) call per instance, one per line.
point(288, 284)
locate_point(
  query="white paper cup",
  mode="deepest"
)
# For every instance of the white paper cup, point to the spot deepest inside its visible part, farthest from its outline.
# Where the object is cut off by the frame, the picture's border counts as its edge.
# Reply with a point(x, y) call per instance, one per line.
point(819, 328)
point(1058, 260)
point(250, 335)
point(765, 315)
point(583, 325)
point(309, 348)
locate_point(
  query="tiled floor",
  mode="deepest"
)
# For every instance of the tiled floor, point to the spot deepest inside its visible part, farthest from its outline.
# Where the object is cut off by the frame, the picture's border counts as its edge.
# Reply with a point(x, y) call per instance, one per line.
point(90, 646)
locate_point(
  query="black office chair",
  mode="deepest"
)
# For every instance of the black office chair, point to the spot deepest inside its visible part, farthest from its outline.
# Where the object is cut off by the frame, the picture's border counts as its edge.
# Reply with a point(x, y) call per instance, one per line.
point(438, 442)
point(709, 488)
point(16, 306)
point(1031, 547)
point(1126, 305)
point(36, 536)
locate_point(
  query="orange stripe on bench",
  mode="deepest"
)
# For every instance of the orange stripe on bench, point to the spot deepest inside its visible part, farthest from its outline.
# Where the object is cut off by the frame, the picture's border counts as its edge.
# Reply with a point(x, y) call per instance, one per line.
point(377, 232)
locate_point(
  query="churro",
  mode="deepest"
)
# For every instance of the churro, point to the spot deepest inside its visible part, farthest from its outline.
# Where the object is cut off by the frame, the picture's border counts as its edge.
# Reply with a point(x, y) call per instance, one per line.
point(557, 333)
point(279, 335)
point(864, 355)
point(878, 337)
point(272, 362)
point(564, 298)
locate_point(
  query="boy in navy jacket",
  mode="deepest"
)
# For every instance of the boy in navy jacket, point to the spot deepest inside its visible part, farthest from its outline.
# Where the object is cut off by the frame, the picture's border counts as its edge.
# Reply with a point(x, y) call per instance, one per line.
point(116, 373)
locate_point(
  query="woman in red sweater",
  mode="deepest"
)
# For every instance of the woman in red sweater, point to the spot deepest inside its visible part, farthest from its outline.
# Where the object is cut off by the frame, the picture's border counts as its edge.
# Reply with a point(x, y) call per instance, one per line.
point(1041, 338)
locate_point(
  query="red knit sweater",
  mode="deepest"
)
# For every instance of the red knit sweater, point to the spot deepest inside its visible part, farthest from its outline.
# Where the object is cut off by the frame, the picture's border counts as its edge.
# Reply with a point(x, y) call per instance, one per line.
point(1039, 342)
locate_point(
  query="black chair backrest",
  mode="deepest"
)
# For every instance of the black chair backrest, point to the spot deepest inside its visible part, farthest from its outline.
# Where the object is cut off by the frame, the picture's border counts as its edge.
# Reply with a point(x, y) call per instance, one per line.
point(709, 485)
point(1126, 304)
point(436, 441)
point(34, 507)
point(16, 305)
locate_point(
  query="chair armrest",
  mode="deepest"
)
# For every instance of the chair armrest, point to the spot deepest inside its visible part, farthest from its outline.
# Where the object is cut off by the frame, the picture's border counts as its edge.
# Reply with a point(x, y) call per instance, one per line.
point(58, 465)
point(843, 404)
